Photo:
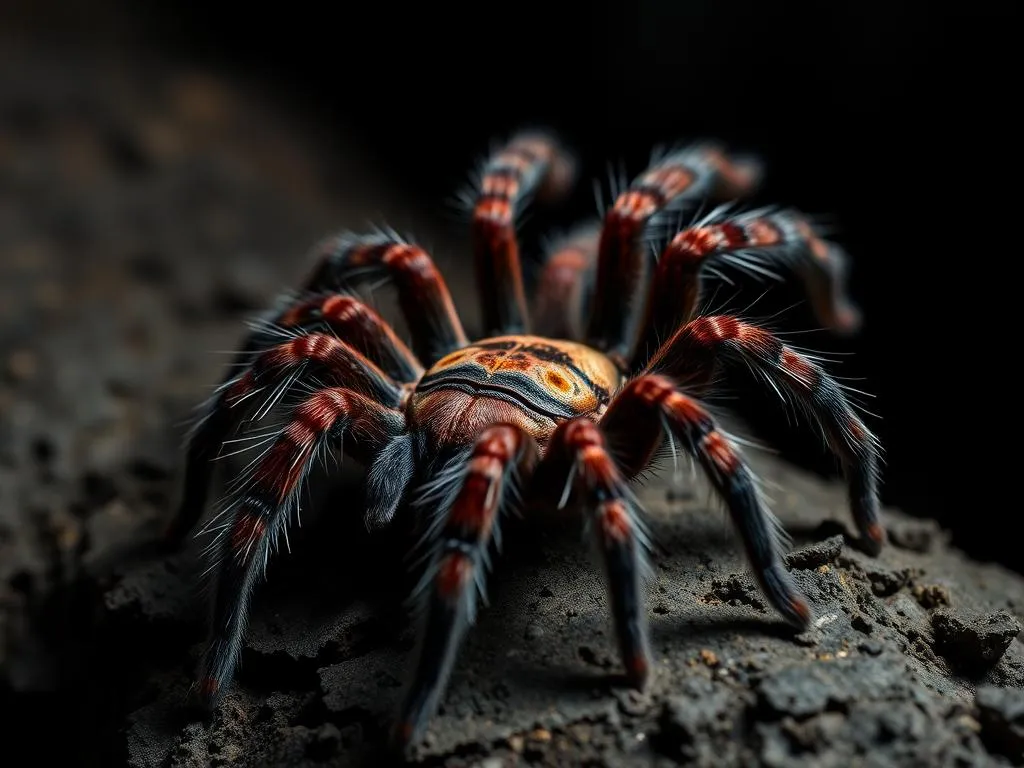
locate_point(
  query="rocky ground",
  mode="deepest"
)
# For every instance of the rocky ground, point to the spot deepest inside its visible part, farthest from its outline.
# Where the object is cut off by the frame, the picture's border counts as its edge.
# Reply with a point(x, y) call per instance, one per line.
point(144, 212)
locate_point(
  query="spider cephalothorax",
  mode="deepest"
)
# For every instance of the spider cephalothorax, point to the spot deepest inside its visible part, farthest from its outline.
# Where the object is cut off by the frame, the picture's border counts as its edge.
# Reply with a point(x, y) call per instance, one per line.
point(569, 398)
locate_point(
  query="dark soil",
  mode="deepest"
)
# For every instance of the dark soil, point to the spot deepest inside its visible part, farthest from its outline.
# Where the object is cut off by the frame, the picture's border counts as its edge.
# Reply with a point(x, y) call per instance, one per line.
point(145, 212)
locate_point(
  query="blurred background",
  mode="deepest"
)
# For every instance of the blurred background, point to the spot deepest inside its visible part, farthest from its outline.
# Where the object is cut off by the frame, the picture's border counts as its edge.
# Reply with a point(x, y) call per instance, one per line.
point(164, 167)
point(893, 120)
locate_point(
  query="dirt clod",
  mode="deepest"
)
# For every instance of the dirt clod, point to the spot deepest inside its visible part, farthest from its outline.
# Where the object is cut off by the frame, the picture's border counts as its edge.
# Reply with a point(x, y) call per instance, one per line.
point(974, 643)
point(816, 555)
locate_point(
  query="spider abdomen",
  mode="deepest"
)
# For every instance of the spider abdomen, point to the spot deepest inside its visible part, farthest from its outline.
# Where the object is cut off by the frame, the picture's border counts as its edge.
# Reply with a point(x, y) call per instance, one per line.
point(530, 381)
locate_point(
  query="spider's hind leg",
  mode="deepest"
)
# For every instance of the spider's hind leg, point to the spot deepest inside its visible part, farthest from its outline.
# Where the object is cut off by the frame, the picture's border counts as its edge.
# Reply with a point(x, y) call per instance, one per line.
point(757, 243)
point(350, 260)
point(566, 284)
point(530, 165)
point(677, 182)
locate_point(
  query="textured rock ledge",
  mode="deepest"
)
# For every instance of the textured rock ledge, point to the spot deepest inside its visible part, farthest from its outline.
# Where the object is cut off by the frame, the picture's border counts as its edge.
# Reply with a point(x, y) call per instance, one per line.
point(913, 658)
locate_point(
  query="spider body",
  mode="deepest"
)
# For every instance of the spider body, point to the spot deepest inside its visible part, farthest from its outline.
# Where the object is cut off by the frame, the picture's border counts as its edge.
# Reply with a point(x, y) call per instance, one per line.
point(567, 398)
point(533, 382)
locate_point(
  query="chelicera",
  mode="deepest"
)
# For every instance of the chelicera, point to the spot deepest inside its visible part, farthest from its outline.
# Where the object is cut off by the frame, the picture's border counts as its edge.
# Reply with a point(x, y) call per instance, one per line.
point(568, 398)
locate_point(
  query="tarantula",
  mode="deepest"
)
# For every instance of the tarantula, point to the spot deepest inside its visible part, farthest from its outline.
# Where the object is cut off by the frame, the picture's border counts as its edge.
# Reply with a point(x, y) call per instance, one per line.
point(545, 406)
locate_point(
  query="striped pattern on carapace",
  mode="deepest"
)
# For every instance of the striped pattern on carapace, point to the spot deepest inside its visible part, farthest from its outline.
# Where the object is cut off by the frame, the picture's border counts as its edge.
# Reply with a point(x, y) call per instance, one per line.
point(454, 432)
point(685, 177)
point(530, 165)
point(529, 381)
point(552, 376)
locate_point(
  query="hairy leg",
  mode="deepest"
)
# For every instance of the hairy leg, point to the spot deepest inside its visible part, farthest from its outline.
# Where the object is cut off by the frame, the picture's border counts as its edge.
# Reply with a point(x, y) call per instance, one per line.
point(636, 422)
point(457, 569)
point(349, 260)
point(259, 511)
point(577, 457)
point(756, 242)
point(275, 370)
point(359, 326)
point(702, 348)
point(566, 284)
point(530, 165)
point(681, 179)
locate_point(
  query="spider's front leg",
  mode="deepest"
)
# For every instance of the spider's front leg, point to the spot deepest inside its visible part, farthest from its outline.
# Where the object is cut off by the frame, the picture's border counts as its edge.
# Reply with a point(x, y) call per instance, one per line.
point(457, 569)
point(578, 457)
point(703, 347)
point(274, 371)
point(635, 425)
point(531, 165)
point(258, 511)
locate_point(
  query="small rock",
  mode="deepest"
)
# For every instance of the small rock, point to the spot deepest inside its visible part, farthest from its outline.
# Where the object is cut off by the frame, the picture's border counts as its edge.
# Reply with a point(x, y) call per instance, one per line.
point(700, 707)
point(931, 596)
point(632, 703)
point(816, 555)
point(1001, 716)
point(885, 581)
point(736, 591)
point(973, 643)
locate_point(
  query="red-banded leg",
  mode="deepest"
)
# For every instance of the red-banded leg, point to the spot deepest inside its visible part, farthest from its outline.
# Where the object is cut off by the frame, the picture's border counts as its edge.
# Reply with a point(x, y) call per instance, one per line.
point(578, 461)
point(457, 568)
point(358, 325)
point(531, 165)
point(273, 371)
point(259, 510)
point(681, 179)
point(758, 243)
point(636, 424)
point(350, 260)
point(566, 284)
point(708, 346)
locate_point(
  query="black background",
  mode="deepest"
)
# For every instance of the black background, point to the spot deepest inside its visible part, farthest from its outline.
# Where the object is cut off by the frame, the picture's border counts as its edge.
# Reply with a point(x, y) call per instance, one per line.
point(896, 119)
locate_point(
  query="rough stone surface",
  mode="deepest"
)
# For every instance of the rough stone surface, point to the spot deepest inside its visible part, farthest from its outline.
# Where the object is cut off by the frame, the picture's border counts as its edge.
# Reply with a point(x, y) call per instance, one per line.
point(153, 210)
point(1001, 715)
